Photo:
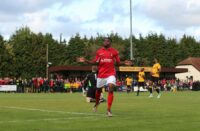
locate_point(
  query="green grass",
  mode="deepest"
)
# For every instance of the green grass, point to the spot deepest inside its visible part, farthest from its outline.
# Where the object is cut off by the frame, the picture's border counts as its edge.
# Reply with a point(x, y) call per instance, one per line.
point(70, 112)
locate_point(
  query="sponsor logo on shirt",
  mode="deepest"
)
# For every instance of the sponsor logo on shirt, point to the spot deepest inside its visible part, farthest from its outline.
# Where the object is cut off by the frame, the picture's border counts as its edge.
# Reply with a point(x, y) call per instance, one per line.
point(106, 60)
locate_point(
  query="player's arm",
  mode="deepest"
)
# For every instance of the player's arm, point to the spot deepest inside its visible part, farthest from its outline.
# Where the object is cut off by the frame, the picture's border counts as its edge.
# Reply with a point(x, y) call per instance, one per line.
point(85, 82)
point(159, 68)
point(126, 82)
point(120, 63)
point(83, 60)
point(144, 76)
point(138, 75)
point(126, 62)
point(95, 61)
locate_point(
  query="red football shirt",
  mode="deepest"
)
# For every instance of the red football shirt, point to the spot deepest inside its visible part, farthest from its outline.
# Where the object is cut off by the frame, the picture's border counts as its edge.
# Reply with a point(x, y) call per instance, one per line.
point(106, 59)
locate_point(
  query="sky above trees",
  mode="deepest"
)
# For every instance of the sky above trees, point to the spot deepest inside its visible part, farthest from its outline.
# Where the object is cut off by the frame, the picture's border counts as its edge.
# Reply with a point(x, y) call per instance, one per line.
point(89, 17)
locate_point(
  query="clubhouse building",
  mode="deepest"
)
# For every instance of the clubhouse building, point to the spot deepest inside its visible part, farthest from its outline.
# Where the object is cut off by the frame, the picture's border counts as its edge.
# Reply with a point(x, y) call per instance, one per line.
point(122, 71)
point(192, 64)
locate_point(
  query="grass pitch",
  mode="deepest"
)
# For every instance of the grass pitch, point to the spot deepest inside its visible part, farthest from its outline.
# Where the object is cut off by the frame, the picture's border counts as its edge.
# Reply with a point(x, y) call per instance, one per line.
point(70, 112)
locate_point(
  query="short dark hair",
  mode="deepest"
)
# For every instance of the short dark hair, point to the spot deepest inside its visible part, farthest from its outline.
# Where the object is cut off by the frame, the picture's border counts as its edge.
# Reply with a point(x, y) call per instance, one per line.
point(108, 38)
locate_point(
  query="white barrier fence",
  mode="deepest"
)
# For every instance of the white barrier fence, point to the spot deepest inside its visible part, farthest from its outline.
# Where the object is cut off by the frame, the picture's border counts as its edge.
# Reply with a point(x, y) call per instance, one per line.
point(135, 88)
point(8, 87)
point(14, 88)
point(141, 89)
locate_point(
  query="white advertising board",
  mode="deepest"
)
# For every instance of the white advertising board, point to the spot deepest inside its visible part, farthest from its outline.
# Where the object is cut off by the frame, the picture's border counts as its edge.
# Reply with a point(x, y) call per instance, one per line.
point(8, 87)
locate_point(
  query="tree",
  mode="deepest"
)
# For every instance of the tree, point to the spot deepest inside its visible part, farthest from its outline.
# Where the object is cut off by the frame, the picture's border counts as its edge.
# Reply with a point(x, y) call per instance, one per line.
point(188, 47)
point(24, 45)
point(24, 54)
point(5, 59)
point(75, 48)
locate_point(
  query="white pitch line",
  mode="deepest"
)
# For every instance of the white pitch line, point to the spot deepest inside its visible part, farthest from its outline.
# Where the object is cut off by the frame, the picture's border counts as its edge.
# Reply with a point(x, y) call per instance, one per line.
point(46, 119)
point(50, 111)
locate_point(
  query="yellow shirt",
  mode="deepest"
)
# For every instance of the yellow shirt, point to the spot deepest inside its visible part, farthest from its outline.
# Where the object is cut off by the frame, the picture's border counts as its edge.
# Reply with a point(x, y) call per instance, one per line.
point(76, 85)
point(129, 81)
point(141, 76)
point(155, 70)
point(67, 85)
point(73, 85)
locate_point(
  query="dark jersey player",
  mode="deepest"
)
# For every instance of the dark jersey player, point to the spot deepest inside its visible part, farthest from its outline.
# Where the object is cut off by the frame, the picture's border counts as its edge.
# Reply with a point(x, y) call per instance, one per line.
point(90, 82)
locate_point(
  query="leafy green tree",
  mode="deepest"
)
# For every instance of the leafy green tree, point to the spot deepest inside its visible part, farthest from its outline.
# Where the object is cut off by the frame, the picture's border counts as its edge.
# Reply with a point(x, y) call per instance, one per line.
point(5, 59)
point(188, 47)
point(75, 48)
point(25, 53)
point(25, 47)
point(170, 53)
point(57, 51)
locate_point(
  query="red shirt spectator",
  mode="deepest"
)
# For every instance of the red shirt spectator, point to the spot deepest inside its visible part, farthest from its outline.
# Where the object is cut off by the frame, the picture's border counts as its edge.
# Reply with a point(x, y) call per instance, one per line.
point(41, 82)
point(118, 83)
point(35, 82)
point(51, 83)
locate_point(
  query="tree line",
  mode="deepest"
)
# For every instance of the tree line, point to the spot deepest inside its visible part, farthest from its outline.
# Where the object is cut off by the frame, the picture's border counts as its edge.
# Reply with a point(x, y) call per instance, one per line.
point(24, 53)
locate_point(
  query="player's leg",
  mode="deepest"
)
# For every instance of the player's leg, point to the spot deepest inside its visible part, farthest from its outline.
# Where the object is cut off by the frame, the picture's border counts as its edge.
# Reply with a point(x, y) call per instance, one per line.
point(110, 98)
point(157, 87)
point(97, 97)
point(158, 91)
point(100, 83)
point(138, 91)
point(151, 88)
point(128, 88)
point(90, 97)
point(111, 82)
point(101, 97)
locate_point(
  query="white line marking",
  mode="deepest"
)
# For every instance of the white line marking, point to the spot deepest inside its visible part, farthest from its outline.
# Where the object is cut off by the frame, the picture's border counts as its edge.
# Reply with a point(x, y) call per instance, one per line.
point(46, 119)
point(50, 111)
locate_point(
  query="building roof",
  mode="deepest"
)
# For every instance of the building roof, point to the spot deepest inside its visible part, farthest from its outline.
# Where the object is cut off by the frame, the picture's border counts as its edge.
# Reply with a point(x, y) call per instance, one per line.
point(69, 68)
point(173, 70)
point(194, 61)
point(89, 68)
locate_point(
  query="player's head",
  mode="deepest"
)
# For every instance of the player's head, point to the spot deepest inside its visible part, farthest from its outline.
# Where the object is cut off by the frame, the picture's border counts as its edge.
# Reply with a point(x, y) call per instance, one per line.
point(142, 69)
point(94, 68)
point(107, 42)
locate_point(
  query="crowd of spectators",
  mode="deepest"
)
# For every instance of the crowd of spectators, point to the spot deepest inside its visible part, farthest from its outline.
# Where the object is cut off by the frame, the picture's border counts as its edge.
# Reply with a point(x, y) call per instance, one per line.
point(39, 84)
point(164, 84)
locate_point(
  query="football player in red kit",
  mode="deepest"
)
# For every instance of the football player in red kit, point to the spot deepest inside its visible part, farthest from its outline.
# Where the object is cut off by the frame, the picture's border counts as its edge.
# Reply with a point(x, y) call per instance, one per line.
point(106, 58)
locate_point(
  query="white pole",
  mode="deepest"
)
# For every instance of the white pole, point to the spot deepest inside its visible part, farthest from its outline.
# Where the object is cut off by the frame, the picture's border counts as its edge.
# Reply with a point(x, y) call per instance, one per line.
point(47, 61)
point(131, 43)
